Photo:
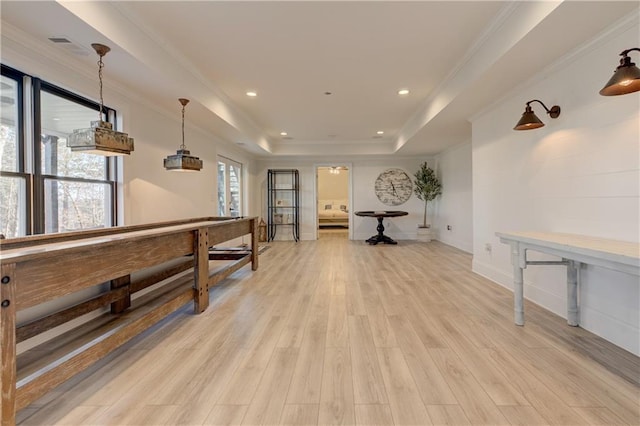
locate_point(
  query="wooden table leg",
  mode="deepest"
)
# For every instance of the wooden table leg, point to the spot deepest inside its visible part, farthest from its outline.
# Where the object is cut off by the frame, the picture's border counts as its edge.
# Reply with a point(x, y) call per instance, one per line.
point(201, 271)
point(254, 245)
point(8, 336)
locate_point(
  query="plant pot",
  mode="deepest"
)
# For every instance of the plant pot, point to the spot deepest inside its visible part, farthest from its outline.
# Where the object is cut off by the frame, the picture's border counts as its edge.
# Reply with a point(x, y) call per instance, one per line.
point(424, 234)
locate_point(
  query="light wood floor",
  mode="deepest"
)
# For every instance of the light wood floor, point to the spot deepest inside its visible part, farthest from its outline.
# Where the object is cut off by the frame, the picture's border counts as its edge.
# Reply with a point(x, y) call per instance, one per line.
point(339, 332)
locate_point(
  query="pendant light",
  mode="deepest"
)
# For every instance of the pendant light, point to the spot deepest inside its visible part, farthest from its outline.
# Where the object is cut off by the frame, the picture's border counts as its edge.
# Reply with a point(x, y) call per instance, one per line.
point(626, 77)
point(529, 120)
point(183, 161)
point(100, 138)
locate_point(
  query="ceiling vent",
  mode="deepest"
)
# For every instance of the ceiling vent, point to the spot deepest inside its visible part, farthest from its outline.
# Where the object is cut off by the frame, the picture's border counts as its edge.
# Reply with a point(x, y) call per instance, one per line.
point(68, 45)
point(59, 39)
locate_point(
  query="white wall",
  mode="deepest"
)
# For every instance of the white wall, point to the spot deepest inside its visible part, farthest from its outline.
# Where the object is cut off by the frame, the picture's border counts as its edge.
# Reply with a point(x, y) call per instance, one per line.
point(579, 174)
point(454, 207)
point(364, 172)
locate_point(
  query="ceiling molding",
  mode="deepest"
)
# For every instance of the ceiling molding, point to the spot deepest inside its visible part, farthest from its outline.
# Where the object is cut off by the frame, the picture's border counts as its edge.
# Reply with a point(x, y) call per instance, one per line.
point(22, 48)
point(513, 23)
point(622, 25)
point(124, 30)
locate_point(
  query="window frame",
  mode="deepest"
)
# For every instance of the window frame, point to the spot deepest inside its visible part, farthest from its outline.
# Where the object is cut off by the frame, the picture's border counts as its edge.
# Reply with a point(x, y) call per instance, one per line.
point(227, 180)
point(31, 168)
point(21, 172)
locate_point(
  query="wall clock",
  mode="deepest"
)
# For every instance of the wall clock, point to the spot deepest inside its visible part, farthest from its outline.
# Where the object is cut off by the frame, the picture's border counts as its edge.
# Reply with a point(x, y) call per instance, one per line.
point(393, 187)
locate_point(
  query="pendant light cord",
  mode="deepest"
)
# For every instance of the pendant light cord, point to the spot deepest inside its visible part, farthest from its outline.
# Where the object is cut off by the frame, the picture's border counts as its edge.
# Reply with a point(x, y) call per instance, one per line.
point(100, 66)
point(183, 146)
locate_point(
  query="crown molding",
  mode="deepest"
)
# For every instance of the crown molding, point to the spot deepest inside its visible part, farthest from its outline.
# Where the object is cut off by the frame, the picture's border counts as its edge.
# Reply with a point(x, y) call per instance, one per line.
point(517, 17)
point(619, 27)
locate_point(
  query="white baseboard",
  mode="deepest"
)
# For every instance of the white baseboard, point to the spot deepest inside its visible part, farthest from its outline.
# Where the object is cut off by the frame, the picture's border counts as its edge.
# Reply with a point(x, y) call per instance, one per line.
point(466, 246)
point(615, 331)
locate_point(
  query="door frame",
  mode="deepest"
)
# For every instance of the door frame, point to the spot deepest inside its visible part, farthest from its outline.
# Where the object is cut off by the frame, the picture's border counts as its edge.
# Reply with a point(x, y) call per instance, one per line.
point(349, 167)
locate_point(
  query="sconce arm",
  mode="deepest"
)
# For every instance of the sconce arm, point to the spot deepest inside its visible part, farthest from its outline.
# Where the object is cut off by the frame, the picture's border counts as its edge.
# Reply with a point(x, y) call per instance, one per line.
point(554, 112)
point(626, 52)
point(541, 103)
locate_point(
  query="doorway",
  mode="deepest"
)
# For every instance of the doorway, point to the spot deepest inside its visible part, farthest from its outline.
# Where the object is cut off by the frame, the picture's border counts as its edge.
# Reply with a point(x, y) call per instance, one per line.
point(333, 201)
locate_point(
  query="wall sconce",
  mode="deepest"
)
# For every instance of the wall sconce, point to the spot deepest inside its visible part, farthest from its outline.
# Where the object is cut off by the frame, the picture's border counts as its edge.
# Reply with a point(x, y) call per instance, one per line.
point(529, 120)
point(100, 138)
point(183, 161)
point(625, 79)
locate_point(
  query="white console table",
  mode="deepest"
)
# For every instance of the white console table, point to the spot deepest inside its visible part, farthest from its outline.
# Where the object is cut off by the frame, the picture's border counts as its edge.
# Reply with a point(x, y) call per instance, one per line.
point(574, 250)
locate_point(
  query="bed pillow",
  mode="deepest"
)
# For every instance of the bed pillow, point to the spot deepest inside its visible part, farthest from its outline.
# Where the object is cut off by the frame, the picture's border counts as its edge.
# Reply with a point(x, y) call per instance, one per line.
point(343, 207)
point(327, 206)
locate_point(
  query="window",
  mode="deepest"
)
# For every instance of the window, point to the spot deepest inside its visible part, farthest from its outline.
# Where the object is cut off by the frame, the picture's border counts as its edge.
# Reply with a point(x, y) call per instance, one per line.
point(229, 187)
point(45, 186)
point(14, 183)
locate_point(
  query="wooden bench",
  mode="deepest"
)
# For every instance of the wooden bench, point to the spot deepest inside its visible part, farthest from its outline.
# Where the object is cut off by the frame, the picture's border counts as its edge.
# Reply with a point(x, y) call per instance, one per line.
point(168, 262)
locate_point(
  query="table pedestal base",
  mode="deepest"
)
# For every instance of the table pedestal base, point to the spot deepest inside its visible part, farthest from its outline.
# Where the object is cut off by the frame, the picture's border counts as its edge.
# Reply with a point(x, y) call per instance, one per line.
point(380, 237)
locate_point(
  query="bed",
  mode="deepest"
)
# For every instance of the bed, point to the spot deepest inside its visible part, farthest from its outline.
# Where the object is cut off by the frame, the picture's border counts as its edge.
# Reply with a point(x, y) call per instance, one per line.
point(333, 213)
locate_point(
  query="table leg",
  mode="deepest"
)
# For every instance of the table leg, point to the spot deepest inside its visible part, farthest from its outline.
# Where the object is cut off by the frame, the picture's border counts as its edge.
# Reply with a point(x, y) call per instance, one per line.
point(380, 237)
point(572, 293)
point(8, 367)
point(518, 294)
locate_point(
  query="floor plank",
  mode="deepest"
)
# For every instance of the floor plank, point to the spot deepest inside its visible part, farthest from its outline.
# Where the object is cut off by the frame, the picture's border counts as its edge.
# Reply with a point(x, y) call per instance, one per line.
point(368, 385)
point(336, 399)
point(404, 399)
point(373, 415)
point(269, 399)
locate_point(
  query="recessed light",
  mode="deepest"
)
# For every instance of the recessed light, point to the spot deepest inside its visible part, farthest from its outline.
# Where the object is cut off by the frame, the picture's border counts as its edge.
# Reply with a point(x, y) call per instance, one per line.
point(252, 94)
point(55, 119)
point(403, 92)
point(283, 133)
point(380, 132)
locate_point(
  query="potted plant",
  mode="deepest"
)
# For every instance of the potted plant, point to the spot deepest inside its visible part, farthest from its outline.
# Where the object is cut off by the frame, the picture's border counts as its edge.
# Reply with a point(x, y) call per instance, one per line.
point(427, 187)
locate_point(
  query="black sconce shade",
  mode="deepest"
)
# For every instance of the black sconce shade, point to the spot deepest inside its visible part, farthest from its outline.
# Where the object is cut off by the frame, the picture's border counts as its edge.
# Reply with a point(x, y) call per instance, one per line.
point(529, 120)
point(625, 79)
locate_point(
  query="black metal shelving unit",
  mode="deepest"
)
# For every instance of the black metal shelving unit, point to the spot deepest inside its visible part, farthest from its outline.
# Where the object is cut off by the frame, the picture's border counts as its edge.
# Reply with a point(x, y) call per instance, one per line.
point(283, 202)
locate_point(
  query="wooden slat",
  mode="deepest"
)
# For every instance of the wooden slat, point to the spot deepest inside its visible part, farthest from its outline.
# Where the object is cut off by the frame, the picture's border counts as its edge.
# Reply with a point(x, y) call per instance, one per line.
point(32, 240)
point(82, 358)
point(219, 234)
point(228, 255)
point(227, 270)
point(8, 336)
point(41, 279)
point(41, 325)
point(143, 283)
